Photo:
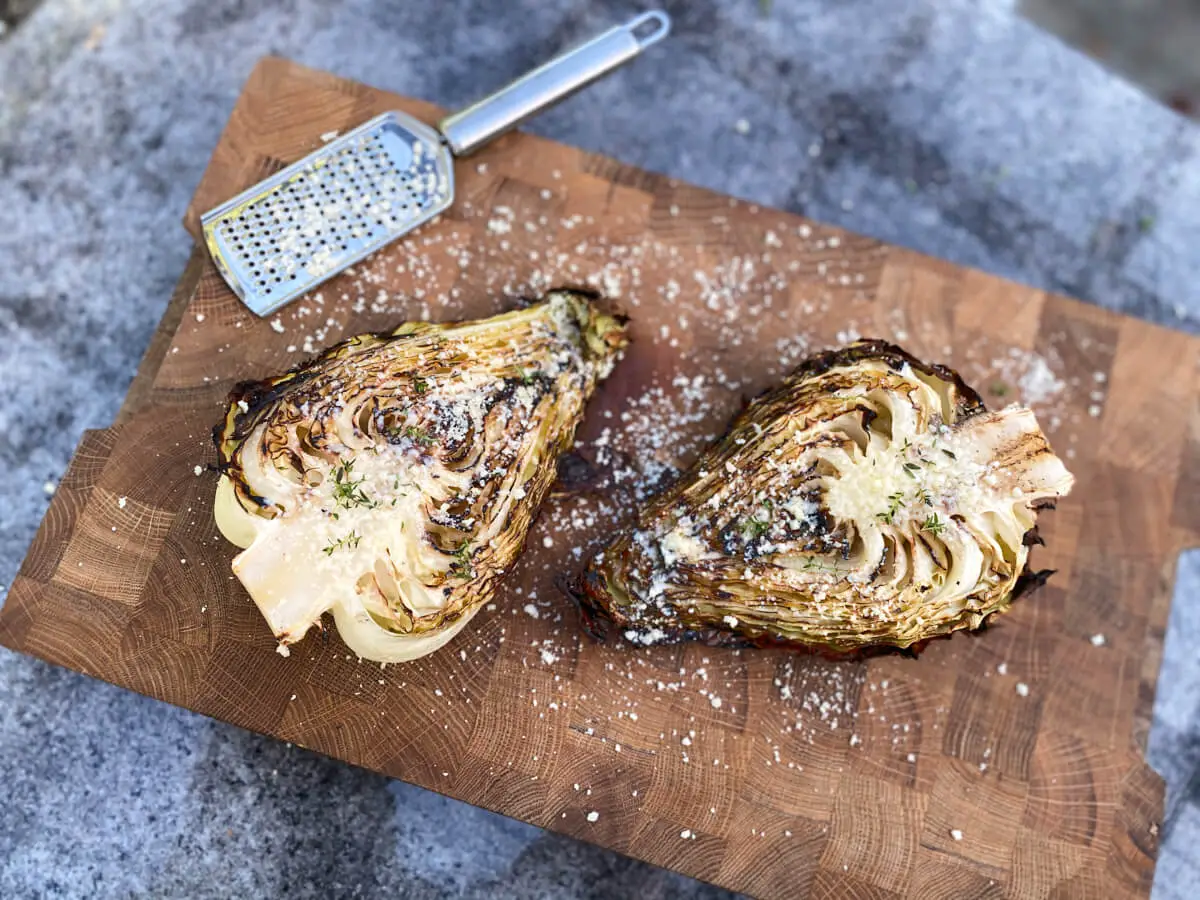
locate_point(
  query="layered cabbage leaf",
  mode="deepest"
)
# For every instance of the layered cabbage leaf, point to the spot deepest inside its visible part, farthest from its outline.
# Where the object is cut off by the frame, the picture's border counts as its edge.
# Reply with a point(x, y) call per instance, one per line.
point(392, 479)
point(870, 501)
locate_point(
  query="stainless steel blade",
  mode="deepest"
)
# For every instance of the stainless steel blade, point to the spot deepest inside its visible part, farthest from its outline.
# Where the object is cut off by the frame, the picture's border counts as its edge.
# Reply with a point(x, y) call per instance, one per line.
point(306, 223)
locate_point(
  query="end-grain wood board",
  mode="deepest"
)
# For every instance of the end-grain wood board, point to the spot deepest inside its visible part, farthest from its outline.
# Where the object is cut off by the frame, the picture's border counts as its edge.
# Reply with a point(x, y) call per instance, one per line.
point(1008, 764)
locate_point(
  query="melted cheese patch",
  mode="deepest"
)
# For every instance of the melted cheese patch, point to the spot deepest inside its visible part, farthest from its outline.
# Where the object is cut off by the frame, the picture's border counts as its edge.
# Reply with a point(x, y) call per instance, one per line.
point(303, 562)
point(896, 484)
point(364, 538)
point(681, 544)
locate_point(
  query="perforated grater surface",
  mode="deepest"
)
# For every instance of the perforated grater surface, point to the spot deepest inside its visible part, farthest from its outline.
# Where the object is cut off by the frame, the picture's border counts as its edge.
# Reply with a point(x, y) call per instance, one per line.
point(329, 210)
point(310, 221)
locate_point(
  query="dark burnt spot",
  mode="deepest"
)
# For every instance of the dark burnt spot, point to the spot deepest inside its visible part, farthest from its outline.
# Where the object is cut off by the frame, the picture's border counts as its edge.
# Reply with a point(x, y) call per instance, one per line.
point(457, 509)
point(1029, 581)
point(731, 539)
point(445, 538)
point(827, 527)
point(542, 383)
point(577, 473)
point(506, 392)
point(586, 592)
point(218, 437)
point(586, 291)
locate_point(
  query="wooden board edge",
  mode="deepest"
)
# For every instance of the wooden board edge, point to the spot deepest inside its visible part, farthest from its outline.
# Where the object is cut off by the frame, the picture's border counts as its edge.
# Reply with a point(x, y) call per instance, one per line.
point(74, 491)
point(143, 382)
point(264, 71)
point(70, 500)
point(1154, 645)
point(12, 637)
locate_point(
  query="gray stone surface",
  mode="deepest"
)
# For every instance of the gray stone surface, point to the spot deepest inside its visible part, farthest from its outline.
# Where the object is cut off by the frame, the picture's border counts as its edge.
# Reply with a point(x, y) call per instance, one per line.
point(948, 126)
point(1152, 42)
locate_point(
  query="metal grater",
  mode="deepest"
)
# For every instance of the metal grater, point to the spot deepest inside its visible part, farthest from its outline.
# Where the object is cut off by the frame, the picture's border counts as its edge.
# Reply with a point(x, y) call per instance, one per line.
point(329, 210)
point(310, 221)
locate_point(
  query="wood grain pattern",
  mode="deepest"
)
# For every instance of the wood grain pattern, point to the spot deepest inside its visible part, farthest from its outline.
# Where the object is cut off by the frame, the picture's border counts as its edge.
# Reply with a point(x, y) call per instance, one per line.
point(768, 773)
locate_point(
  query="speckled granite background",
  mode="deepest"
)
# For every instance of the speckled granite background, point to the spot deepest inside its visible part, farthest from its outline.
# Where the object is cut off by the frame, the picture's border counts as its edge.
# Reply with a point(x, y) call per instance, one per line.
point(947, 125)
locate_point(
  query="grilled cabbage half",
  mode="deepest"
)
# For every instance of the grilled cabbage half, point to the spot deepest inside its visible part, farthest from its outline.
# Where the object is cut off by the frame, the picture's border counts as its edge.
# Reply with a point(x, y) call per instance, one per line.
point(392, 479)
point(869, 502)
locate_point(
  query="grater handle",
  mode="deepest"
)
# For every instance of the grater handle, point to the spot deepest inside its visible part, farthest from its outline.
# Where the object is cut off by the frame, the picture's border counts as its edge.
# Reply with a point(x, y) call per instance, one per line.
point(482, 122)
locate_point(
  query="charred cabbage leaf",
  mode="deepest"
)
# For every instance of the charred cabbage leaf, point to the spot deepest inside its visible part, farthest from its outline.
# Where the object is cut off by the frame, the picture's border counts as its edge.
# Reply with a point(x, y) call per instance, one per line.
point(870, 501)
point(392, 479)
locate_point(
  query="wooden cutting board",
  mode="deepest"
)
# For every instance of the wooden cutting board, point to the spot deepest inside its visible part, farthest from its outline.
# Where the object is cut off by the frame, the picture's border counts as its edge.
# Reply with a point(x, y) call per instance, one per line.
point(1008, 764)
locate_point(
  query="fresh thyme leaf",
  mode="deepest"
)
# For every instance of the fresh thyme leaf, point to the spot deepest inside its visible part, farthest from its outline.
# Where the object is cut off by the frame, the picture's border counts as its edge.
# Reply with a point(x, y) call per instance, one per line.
point(347, 492)
point(418, 435)
point(462, 567)
point(349, 541)
point(894, 502)
point(933, 524)
point(756, 528)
